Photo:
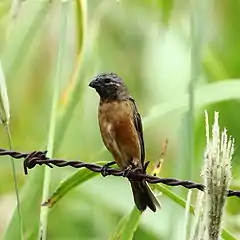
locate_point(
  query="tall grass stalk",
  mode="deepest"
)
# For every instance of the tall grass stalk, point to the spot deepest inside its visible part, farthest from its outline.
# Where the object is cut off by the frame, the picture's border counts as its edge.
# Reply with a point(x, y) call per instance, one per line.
point(81, 12)
point(127, 226)
point(71, 96)
point(51, 133)
point(195, 62)
point(4, 119)
point(15, 50)
point(7, 129)
point(197, 226)
point(188, 215)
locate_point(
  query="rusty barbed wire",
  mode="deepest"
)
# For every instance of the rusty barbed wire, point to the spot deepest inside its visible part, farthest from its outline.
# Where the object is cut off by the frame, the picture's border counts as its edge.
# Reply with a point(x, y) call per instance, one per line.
point(39, 158)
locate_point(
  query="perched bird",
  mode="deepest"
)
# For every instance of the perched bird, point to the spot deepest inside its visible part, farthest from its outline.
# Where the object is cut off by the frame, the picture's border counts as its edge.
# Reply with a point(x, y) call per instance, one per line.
point(121, 130)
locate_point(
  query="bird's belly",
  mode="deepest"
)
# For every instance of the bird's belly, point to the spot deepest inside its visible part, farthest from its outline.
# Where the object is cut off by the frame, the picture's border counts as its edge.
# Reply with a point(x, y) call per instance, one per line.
point(119, 133)
point(122, 142)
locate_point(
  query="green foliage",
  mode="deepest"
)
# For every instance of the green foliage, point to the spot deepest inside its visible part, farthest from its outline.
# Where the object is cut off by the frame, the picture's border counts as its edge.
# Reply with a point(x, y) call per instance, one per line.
point(147, 43)
point(67, 185)
point(5, 116)
point(127, 226)
point(53, 119)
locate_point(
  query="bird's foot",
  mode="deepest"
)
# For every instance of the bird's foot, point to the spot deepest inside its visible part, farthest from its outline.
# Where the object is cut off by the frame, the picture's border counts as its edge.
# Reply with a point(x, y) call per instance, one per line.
point(127, 171)
point(104, 170)
point(131, 170)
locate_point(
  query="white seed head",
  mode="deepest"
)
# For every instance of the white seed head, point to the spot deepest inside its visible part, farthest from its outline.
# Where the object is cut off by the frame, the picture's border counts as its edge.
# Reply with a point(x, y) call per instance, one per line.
point(217, 177)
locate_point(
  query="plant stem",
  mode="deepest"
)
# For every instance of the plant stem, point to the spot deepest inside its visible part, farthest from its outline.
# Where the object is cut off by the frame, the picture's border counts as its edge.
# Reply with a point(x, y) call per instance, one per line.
point(50, 145)
point(195, 73)
point(15, 182)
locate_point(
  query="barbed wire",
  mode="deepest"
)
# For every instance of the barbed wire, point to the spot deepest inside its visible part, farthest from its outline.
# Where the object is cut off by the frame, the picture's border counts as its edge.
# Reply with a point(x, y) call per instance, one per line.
point(39, 158)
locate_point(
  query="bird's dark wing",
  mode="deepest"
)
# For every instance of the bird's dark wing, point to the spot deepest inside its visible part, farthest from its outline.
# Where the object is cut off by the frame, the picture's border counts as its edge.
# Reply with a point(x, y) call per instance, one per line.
point(138, 126)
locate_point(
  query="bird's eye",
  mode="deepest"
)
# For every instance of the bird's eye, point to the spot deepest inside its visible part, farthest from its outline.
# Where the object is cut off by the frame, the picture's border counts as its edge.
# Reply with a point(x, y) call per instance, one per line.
point(107, 80)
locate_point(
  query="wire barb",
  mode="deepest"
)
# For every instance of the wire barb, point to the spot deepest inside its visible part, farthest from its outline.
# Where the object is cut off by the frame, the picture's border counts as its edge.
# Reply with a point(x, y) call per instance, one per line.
point(39, 158)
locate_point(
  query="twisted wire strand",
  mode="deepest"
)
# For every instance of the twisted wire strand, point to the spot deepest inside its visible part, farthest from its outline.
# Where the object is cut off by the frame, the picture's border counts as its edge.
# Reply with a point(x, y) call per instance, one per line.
point(39, 158)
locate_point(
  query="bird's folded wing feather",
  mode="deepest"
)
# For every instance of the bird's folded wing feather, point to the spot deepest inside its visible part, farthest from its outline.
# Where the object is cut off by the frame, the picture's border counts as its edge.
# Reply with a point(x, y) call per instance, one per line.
point(138, 126)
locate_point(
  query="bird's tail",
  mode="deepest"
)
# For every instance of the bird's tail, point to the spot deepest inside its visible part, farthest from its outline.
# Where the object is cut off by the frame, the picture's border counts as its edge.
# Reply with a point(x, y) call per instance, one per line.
point(143, 196)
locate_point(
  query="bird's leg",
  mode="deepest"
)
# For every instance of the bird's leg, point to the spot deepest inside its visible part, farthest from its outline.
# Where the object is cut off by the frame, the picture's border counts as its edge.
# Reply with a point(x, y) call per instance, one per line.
point(104, 171)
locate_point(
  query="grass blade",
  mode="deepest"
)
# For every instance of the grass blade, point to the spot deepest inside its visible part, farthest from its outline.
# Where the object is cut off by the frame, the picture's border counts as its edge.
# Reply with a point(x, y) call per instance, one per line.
point(72, 94)
point(30, 198)
point(15, 184)
point(79, 177)
point(5, 116)
point(80, 23)
point(187, 215)
point(12, 57)
point(206, 94)
point(51, 135)
point(127, 226)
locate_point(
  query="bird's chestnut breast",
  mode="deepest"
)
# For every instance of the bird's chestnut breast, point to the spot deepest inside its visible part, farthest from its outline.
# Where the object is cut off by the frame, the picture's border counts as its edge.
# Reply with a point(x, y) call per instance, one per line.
point(116, 122)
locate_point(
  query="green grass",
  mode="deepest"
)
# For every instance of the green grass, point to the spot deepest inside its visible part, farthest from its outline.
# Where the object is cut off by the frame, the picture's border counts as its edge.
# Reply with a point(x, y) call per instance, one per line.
point(19, 212)
point(127, 226)
point(53, 117)
point(49, 61)
point(5, 119)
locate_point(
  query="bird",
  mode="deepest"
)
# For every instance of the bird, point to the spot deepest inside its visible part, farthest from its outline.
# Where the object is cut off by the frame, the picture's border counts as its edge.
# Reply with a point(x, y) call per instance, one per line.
point(122, 133)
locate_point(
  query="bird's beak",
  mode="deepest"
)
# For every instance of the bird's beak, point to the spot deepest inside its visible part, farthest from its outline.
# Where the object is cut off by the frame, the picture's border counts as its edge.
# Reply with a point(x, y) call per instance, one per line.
point(94, 83)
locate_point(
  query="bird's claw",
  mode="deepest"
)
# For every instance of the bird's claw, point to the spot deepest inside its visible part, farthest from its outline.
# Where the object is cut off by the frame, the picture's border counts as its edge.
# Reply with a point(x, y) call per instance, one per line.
point(131, 170)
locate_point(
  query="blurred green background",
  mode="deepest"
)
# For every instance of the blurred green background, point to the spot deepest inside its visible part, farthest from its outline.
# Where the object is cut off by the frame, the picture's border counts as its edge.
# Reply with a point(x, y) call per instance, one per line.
point(164, 50)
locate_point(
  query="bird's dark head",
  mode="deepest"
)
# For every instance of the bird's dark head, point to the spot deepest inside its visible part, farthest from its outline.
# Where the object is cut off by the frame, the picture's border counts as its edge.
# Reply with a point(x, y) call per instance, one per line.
point(109, 86)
